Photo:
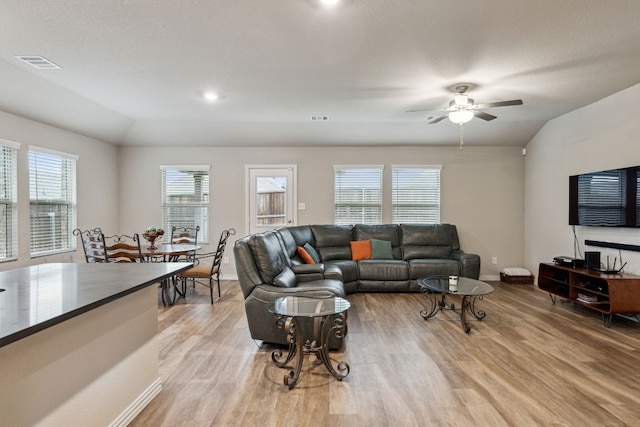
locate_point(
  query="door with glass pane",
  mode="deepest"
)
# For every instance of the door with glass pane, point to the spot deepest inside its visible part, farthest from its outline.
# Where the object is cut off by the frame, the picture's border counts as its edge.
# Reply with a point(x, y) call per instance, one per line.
point(271, 201)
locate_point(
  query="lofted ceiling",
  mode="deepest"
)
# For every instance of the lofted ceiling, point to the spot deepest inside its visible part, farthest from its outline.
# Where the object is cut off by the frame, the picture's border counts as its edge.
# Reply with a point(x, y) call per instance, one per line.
point(134, 72)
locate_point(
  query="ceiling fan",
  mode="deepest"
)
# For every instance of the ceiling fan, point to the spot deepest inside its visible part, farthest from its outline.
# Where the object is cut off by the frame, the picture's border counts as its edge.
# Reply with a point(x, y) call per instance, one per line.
point(462, 108)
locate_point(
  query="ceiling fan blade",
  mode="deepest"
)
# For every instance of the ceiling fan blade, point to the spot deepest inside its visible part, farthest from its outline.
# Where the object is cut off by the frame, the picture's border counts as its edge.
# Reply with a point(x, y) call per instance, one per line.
point(417, 111)
point(501, 103)
point(439, 119)
point(484, 116)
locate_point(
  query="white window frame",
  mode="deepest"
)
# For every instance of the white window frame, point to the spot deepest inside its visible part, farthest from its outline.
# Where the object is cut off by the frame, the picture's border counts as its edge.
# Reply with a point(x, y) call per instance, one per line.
point(8, 200)
point(366, 183)
point(52, 186)
point(415, 194)
point(201, 206)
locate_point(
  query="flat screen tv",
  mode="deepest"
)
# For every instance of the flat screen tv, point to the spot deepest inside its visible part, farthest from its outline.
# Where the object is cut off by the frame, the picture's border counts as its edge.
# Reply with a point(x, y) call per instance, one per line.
point(605, 199)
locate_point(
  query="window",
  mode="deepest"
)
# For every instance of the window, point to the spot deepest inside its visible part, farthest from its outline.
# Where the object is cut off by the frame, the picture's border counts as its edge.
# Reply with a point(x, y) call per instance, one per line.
point(8, 200)
point(416, 195)
point(358, 194)
point(52, 196)
point(185, 199)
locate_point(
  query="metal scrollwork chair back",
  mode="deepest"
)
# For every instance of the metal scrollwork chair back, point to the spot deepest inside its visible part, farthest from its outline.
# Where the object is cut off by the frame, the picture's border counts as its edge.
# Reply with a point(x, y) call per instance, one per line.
point(202, 270)
point(122, 248)
point(187, 235)
point(92, 244)
point(184, 235)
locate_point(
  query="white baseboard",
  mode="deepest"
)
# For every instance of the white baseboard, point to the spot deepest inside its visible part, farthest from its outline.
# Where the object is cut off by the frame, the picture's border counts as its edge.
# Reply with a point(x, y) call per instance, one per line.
point(137, 405)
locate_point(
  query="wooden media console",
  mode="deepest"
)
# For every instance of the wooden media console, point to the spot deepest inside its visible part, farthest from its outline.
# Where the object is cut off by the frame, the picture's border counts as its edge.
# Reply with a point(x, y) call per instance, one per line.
point(608, 294)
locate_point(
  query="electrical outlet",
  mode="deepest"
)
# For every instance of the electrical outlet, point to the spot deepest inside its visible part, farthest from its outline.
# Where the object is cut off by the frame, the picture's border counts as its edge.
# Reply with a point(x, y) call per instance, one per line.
point(494, 260)
point(225, 260)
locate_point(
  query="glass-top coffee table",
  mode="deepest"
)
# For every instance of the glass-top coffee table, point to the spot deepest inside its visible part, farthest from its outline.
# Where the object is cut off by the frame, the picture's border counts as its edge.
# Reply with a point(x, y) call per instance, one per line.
point(438, 287)
point(329, 320)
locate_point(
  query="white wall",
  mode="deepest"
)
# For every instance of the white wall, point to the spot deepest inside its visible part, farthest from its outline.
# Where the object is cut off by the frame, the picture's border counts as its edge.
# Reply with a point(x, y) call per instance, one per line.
point(482, 189)
point(601, 136)
point(96, 181)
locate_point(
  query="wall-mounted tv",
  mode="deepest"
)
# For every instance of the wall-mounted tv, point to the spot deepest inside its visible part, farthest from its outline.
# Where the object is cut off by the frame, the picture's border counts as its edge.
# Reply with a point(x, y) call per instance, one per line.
point(608, 198)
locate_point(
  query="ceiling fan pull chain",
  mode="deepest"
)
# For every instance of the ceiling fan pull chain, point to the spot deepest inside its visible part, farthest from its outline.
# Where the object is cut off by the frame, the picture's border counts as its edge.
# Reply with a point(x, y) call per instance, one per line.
point(461, 135)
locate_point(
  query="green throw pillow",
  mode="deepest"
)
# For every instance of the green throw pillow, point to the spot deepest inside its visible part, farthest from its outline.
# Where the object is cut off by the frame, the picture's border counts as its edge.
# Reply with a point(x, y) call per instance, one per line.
point(381, 249)
point(312, 251)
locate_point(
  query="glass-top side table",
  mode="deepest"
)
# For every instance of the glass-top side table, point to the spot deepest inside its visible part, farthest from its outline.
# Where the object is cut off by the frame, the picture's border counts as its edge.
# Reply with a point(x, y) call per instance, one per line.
point(438, 287)
point(329, 320)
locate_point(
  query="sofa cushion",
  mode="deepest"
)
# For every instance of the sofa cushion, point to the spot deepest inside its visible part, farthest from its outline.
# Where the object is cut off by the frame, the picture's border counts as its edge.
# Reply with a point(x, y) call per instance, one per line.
point(312, 251)
point(286, 279)
point(306, 257)
point(332, 241)
point(426, 252)
point(388, 232)
point(268, 255)
point(433, 267)
point(429, 235)
point(360, 249)
point(383, 269)
point(381, 249)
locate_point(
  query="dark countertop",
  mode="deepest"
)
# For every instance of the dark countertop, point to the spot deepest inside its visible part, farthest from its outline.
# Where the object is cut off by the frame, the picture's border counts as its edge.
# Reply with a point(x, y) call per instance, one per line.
point(41, 296)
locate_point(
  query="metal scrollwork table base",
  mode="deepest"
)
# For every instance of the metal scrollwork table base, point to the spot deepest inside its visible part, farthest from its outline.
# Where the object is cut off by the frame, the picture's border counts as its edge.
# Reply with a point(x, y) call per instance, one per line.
point(437, 288)
point(329, 320)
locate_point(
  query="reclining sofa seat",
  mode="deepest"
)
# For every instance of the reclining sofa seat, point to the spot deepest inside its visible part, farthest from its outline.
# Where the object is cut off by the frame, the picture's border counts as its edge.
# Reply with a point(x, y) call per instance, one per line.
point(265, 274)
point(269, 265)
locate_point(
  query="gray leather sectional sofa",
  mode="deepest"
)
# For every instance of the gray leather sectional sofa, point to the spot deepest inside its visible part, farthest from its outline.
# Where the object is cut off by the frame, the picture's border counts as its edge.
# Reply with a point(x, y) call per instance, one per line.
point(269, 265)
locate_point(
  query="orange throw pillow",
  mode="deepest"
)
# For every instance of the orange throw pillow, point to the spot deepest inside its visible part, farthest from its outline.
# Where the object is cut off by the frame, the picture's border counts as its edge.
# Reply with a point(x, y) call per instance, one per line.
point(305, 255)
point(360, 249)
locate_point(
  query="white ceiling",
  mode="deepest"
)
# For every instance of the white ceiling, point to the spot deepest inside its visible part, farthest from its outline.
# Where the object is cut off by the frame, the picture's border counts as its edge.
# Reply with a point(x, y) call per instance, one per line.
point(134, 71)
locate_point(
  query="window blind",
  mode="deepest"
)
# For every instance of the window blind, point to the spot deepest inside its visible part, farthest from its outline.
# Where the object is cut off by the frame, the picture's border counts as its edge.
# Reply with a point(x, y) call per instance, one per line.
point(8, 200)
point(52, 196)
point(357, 195)
point(185, 199)
point(416, 195)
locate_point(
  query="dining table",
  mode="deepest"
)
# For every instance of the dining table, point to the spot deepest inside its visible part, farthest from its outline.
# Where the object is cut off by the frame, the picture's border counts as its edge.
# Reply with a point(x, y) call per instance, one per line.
point(170, 252)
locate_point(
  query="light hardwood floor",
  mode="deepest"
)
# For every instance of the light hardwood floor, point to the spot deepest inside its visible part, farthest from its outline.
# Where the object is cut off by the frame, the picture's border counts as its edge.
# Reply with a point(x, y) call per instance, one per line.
point(528, 363)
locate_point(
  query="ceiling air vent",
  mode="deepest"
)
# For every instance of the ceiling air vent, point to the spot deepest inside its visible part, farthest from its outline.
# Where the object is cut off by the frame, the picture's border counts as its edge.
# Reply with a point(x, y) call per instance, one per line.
point(39, 62)
point(319, 118)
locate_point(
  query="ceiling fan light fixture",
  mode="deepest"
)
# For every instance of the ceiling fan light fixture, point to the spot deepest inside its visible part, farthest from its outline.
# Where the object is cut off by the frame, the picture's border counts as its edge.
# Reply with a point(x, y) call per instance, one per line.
point(461, 116)
point(460, 99)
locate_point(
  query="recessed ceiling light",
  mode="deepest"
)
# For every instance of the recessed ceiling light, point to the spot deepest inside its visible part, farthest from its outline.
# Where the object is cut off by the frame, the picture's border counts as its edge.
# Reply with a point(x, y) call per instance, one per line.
point(329, 2)
point(211, 96)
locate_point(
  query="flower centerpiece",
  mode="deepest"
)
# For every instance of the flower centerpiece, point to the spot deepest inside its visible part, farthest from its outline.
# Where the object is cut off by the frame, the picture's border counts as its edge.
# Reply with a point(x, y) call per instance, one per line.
point(151, 234)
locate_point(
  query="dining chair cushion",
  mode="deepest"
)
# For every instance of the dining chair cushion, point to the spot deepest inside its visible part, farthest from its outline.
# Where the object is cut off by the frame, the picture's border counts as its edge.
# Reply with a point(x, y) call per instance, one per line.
point(200, 271)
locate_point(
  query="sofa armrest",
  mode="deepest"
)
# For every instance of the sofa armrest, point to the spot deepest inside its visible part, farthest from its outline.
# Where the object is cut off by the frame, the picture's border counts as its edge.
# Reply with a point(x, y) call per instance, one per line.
point(470, 263)
point(308, 272)
point(333, 272)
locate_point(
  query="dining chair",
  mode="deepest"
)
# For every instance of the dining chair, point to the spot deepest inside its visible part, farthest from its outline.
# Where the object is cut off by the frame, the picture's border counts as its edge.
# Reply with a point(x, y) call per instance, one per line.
point(204, 270)
point(184, 235)
point(187, 235)
point(122, 248)
point(92, 244)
